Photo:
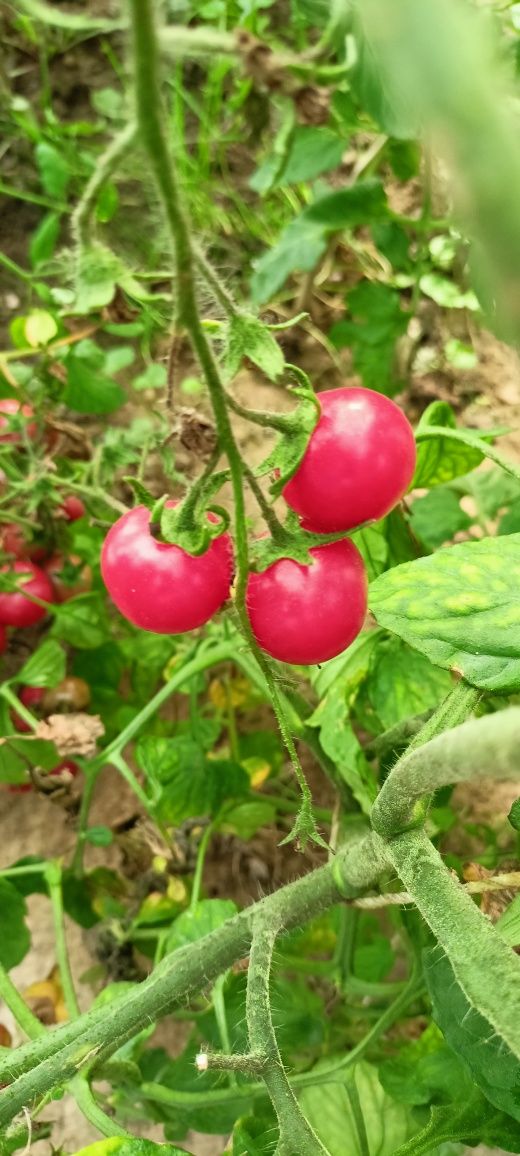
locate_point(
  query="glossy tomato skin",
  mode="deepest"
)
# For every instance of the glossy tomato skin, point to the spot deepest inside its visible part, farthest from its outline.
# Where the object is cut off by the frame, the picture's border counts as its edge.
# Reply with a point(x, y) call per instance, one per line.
point(8, 407)
point(359, 462)
point(72, 508)
point(15, 608)
point(160, 587)
point(307, 614)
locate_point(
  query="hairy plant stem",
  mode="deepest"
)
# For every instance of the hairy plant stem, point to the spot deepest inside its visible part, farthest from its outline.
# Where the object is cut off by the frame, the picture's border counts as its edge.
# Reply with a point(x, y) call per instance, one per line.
point(92, 1038)
point(487, 747)
point(105, 166)
point(484, 965)
point(153, 137)
point(296, 1137)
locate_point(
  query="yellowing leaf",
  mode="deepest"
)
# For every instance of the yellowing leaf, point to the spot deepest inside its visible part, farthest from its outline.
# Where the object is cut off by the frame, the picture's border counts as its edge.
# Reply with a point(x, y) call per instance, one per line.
point(258, 770)
point(234, 692)
point(40, 327)
point(46, 995)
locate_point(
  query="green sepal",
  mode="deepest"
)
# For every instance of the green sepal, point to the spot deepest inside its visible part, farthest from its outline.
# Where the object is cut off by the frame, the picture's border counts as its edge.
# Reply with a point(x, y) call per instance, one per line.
point(144, 497)
point(295, 431)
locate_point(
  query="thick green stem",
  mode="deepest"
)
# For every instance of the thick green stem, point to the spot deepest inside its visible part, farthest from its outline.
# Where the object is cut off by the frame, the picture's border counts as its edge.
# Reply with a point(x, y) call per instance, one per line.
point(484, 965)
point(487, 747)
point(39, 1066)
point(297, 1138)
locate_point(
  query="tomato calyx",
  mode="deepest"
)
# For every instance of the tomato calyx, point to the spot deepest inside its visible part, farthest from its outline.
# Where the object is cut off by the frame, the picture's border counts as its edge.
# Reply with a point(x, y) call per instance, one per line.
point(295, 430)
point(289, 540)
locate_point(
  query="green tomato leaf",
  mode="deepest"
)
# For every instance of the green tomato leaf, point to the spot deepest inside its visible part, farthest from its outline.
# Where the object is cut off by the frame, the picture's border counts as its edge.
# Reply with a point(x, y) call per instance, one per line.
point(403, 683)
point(247, 336)
point(493, 1066)
point(437, 517)
point(447, 294)
point(184, 782)
point(44, 239)
point(373, 547)
point(255, 1136)
point(54, 170)
point(509, 923)
point(153, 377)
point(107, 202)
point(119, 1146)
point(299, 248)
point(15, 939)
point(460, 609)
point(46, 667)
point(377, 322)
point(441, 459)
point(332, 716)
point(80, 622)
point(472, 1121)
point(304, 240)
point(207, 916)
point(88, 390)
point(328, 1110)
point(313, 150)
point(514, 815)
point(246, 819)
point(98, 273)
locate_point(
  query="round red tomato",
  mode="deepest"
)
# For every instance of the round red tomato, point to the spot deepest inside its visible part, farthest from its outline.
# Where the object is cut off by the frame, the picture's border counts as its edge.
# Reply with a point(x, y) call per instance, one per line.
point(30, 696)
point(305, 614)
point(358, 464)
point(15, 608)
point(160, 587)
point(72, 508)
point(9, 406)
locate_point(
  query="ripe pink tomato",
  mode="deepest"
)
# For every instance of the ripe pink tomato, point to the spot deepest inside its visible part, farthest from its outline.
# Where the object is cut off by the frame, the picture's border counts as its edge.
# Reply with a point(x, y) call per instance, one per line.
point(306, 614)
point(15, 608)
point(30, 696)
point(72, 508)
point(359, 462)
point(160, 587)
point(10, 406)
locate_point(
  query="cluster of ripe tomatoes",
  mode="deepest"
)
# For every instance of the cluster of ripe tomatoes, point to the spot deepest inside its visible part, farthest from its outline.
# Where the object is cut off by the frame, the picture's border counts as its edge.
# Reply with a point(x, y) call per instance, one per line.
point(359, 463)
point(34, 569)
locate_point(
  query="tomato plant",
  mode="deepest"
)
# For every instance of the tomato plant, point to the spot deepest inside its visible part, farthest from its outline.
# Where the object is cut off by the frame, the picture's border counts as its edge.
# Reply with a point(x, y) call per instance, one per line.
point(260, 534)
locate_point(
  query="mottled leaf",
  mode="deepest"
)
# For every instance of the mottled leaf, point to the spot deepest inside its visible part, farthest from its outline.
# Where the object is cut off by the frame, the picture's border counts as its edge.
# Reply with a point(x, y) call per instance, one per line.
point(460, 609)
